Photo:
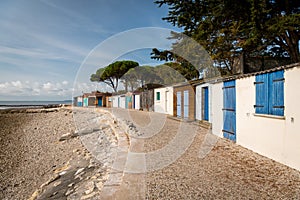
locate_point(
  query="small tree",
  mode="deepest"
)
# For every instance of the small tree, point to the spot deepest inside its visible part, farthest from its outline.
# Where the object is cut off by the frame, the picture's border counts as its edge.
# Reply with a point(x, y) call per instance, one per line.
point(112, 73)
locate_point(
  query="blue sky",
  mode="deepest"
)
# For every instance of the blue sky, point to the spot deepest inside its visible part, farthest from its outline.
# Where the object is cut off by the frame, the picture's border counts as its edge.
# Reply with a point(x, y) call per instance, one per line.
point(44, 43)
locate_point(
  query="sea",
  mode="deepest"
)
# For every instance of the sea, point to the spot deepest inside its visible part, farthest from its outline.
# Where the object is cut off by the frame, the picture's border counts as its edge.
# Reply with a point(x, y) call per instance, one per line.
point(31, 104)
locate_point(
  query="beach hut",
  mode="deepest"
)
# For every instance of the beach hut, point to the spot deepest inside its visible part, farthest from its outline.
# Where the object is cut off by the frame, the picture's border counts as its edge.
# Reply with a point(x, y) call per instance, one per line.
point(163, 100)
point(77, 101)
point(95, 99)
point(86, 99)
point(100, 98)
point(147, 100)
point(122, 101)
point(109, 101)
point(203, 103)
point(136, 100)
point(118, 101)
point(115, 101)
point(128, 100)
point(92, 101)
point(267, 113)
point(184, 101)
point(215, 90)
point(146, 96)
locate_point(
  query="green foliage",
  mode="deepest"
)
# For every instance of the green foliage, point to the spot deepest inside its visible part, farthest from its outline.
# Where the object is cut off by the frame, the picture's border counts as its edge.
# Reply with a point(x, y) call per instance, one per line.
point(168, 74)
point(227, 29)
point(144, 75)
point(112, 73)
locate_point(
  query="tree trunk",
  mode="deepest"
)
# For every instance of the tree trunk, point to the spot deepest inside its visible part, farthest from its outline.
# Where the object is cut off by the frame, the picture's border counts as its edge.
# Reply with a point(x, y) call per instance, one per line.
point(290, 42)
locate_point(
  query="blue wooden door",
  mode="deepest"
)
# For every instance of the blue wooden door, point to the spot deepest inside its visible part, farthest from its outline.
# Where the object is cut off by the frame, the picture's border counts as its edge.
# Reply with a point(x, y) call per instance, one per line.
point(229, 110)
point(133, 101)
point(128, 100)
point(85, 102)
point(178, 103)
point(100, 101)
point(206, 104)
point(186, 104)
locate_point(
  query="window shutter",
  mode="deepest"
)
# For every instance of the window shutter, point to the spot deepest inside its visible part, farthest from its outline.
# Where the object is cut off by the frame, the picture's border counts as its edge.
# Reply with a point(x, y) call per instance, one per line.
point(157, 96)
point(276, 100)
point(261, 85)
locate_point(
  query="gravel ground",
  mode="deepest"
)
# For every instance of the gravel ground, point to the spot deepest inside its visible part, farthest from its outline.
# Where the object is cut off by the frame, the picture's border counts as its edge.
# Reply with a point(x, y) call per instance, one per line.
point(31, 151)
point(229, 171)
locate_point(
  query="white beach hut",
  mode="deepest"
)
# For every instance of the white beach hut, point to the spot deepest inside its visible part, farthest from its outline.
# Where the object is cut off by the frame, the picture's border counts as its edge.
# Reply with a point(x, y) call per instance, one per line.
point(163, 100)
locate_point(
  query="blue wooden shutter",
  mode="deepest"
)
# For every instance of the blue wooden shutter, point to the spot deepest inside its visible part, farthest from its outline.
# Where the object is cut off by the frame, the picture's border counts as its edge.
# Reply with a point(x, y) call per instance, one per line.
point(276, 93)
point(261, 86)
point(157, 96)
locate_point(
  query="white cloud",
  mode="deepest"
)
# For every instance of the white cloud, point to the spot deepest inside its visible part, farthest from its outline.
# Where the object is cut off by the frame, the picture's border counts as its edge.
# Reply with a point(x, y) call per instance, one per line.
point(17, 89)
point(17, 84)
point(47, 86)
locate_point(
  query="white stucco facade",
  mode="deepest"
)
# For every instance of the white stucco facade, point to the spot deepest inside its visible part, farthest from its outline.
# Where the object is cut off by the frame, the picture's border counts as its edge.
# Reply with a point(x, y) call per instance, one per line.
point(165, 103)
point(115, 101)
point(118, 101)
point(275, 137)
point(122, 101)
point(199, 101)
point(216, 113)
point(137, 101)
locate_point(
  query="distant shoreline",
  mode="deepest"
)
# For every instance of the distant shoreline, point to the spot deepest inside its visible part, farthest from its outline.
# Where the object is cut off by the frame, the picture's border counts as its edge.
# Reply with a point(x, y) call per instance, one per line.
point(4, 105)
point(26, 107)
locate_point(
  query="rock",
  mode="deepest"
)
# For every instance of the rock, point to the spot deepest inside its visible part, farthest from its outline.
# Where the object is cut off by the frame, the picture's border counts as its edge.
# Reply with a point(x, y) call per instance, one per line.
point(105, 126)
point(89, 187)
point(57, 183)
point(88, 196)
point(78, 171)
point(99, 185)
point(69, 191)
point(62, 173)
point(71, 184)
point(67, 136)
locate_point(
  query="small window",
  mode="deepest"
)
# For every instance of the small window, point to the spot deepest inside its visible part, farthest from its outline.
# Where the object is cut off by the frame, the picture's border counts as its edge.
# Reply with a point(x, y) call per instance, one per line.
point(270, 93)
point(157, 96)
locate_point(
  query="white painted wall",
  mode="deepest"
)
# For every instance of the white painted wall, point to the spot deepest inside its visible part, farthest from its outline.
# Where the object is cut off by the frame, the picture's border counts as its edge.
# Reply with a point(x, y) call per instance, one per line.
point(137, 101)
point(216, 113)
point(276, 138)
point(122, 101)
point(165, 104)
point(291, 153)
point(114, 101)
point(79, 99)
point(199, 103)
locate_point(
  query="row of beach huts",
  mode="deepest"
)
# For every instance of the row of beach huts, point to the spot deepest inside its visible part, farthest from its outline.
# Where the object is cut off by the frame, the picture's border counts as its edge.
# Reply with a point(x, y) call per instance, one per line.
point(260, 111)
